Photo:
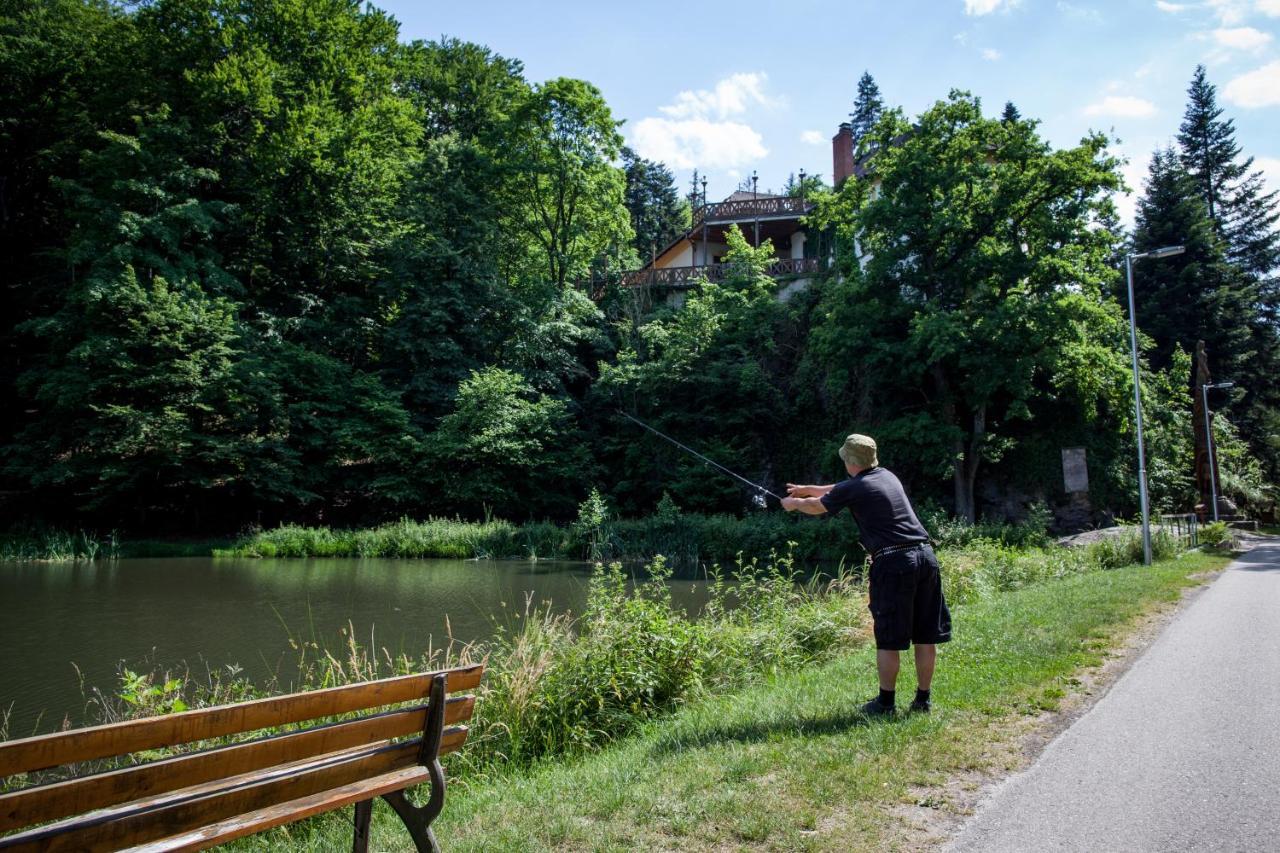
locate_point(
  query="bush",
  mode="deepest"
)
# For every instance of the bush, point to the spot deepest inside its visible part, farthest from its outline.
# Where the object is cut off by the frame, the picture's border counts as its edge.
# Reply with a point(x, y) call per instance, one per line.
point(1216, 534)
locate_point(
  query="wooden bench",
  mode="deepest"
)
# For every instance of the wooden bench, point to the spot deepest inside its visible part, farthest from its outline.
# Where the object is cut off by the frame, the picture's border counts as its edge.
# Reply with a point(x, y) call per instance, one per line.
point(204, 798)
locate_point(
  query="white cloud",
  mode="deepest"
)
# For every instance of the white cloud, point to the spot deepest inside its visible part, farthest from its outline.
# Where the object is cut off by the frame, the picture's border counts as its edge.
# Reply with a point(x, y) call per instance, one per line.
point(703, 128)
point(1242, 38)
point(1270, 167)
point(1171, 8)
point(990, 54)
point(731, 96)
point(1080, 13)
point(961, 38)
point(1229, 12)
point(1270, 8)
point(812, 137)
point(986, 7)
point(1134, 173)
point(697, 142)
point(1121, 106)
point(1258, 88)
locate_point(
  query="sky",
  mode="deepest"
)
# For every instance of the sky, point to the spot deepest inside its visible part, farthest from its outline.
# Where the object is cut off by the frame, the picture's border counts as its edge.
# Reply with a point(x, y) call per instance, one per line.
point(755, 86)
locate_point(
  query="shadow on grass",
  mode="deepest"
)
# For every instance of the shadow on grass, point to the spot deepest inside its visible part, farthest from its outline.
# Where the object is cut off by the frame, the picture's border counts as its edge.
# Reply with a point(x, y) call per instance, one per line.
point(762, 731)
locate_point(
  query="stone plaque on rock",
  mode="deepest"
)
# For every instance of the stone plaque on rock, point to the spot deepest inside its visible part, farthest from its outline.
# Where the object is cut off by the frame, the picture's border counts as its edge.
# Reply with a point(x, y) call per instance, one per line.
point(1075, 470)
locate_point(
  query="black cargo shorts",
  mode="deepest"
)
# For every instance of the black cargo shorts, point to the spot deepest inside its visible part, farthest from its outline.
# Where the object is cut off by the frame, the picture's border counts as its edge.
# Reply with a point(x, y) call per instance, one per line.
point(907, 605)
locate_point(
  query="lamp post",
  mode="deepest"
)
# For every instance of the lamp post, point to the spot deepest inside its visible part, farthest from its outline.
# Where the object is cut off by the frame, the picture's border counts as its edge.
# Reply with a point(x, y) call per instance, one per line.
point(754, 179)
point(1208, 438)
point(704, 220)
point(802, 190)
point(1165, 252)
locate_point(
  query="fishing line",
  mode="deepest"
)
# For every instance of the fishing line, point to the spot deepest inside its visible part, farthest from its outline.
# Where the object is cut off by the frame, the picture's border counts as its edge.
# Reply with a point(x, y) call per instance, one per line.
point(761, 490)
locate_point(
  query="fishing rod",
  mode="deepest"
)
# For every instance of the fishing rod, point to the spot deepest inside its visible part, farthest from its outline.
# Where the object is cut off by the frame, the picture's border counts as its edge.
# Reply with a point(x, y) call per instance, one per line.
point(760, 490)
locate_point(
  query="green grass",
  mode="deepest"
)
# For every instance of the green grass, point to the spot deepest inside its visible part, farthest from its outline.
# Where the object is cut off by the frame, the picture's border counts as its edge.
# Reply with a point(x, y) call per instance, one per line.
point(784, 763)
point(685, 539)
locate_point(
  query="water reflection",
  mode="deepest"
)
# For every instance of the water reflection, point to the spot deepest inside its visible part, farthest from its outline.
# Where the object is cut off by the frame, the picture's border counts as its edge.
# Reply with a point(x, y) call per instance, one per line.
point(216, 612)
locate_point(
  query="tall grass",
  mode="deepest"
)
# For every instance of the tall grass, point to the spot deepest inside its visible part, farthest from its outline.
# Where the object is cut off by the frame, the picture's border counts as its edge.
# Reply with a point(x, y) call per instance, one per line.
point(684, 539)
point(51, 544)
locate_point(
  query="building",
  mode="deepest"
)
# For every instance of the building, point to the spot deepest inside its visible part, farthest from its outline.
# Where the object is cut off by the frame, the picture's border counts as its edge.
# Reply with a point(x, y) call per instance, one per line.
point(698, 253)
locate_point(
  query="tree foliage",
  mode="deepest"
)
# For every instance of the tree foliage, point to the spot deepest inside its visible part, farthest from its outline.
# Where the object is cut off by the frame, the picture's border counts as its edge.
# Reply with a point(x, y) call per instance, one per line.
point(977, 306)
point(267, 261)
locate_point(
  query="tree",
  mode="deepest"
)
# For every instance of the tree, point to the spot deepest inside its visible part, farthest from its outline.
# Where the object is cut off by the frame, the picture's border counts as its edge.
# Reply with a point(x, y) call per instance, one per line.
point(569, 198)
point(447, 303)
point(136, 362)
point(978, 304)
point(1236, 198)
point(716, 369)
point(867, 107)
point(66, 67)
point(505, 445)
point(1010, 114)
point(1198, 295)
point(658, 214)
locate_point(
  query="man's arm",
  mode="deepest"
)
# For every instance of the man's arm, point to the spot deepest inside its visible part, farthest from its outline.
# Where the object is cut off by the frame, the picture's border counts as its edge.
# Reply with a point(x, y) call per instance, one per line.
point(809, 506)
point(795, 491)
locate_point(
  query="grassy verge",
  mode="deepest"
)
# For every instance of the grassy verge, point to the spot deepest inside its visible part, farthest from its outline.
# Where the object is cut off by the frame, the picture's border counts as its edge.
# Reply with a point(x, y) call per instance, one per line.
point(784, 763)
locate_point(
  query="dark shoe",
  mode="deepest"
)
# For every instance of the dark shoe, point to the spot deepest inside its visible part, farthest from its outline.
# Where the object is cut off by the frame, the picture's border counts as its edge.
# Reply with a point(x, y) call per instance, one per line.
point(920, 707)
point(875, 709)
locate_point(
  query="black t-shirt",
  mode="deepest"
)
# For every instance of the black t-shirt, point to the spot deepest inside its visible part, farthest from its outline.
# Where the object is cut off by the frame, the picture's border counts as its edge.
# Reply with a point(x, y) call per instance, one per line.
point(879, 506)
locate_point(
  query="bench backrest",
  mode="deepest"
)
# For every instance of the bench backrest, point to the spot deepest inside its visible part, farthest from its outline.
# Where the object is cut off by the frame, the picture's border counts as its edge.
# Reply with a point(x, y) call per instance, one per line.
point(224, 781)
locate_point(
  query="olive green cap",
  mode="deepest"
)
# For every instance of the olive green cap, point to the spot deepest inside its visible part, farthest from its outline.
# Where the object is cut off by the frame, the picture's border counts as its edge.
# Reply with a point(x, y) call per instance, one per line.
point(859, 451)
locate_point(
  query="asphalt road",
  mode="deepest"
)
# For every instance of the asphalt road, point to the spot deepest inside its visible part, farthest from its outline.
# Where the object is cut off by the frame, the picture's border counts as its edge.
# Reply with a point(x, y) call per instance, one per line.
point(1182, 754)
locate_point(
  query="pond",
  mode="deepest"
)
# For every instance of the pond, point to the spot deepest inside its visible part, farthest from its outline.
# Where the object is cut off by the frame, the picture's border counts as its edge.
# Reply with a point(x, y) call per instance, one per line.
point(63, 622)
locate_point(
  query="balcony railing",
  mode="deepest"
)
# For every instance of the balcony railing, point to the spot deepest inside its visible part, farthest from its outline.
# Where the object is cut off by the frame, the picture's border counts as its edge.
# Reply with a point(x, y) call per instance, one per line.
point(751, 208)
point(682, 277)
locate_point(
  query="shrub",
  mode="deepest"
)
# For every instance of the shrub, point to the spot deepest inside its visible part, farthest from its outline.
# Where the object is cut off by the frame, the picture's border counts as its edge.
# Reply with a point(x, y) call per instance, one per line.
point(1216, 534)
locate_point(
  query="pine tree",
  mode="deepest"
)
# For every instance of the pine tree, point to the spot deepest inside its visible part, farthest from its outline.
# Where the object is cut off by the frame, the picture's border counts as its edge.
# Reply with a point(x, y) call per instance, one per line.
point(1010, 114)
point(1198, 295)
point(658, 215)
point(1244, 214)
point(867, 108)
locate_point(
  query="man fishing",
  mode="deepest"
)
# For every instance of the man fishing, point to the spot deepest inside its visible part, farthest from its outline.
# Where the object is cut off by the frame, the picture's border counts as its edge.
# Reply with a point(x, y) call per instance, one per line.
point(907, 605)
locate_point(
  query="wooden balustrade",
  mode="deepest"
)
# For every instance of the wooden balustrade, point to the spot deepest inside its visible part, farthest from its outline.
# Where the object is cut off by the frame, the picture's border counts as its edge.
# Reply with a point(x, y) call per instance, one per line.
point(751, 208)
point(682, 277)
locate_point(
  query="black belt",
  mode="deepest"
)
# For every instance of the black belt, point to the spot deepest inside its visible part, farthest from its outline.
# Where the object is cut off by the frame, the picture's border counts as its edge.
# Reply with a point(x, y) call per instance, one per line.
point(895, 549)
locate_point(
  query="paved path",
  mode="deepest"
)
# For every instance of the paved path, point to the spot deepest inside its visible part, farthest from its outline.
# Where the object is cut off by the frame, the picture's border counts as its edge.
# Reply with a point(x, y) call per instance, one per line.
point(1182, 754)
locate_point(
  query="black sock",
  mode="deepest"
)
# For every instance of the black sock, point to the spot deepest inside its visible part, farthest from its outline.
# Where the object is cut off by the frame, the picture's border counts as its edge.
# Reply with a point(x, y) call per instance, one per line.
point(922, 696)
point(887, 698)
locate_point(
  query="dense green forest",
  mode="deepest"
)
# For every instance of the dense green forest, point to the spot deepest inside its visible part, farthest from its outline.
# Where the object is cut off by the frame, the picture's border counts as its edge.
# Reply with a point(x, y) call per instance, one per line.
point(265, 261)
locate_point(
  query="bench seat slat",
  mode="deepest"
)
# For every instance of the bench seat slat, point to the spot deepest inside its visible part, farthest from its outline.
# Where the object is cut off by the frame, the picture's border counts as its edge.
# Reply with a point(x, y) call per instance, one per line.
point(75, 796)
point(273, 816)
point(188, 809)
point(45, 751)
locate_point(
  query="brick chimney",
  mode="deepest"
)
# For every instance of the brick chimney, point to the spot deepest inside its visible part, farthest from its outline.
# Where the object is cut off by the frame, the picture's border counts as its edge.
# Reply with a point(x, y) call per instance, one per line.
point(842, 155)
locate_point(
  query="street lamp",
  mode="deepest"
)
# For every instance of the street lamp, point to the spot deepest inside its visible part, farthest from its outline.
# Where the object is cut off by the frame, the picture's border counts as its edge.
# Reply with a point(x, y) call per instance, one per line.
point(704, 220)
point(1208, 437)
point(1165, 252)
point(754, 179)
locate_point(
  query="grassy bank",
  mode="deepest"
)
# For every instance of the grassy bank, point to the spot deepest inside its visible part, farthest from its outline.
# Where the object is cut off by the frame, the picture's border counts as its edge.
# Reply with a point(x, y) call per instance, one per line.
point(784, 763)
point(683, 538)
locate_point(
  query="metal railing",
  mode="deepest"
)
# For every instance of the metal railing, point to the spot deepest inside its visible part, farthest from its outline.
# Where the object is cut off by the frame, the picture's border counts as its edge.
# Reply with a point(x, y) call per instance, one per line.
point(1185, 527)
point(682, 277)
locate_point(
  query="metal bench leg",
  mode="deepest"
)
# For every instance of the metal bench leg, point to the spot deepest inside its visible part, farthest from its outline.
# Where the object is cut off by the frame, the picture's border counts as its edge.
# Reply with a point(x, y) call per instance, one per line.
point(360, 841)
point(418, 819)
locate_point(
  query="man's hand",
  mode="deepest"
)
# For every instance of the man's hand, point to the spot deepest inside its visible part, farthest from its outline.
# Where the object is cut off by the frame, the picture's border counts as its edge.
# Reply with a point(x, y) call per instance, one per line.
point(795, 491)
point(789, 503)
